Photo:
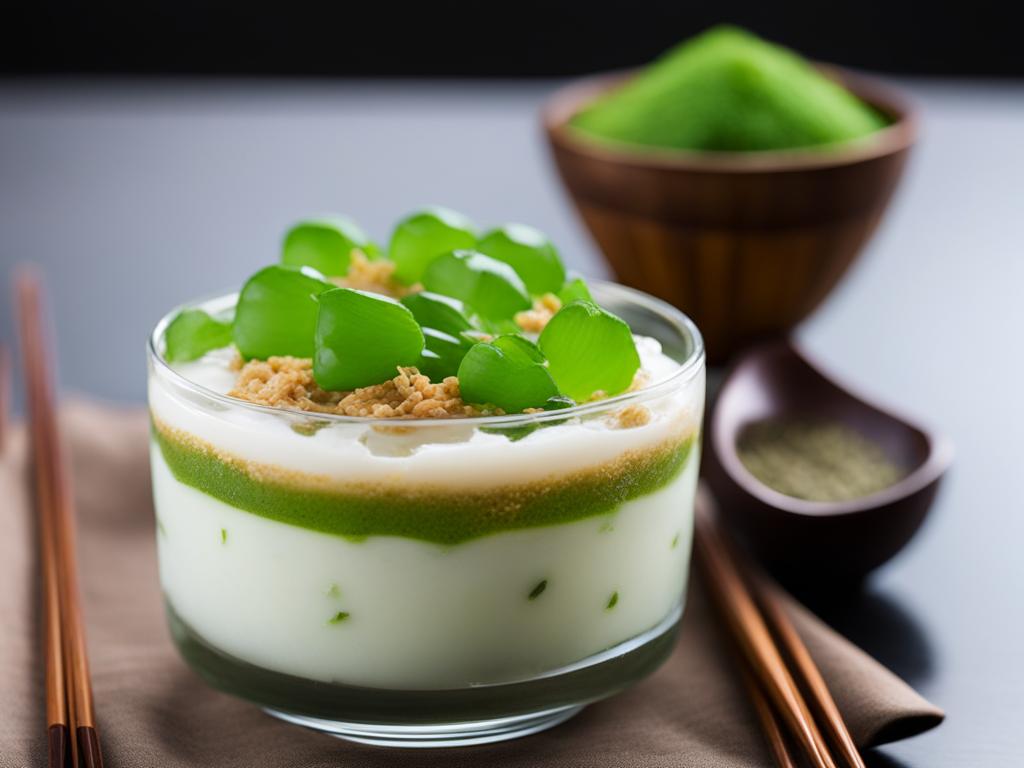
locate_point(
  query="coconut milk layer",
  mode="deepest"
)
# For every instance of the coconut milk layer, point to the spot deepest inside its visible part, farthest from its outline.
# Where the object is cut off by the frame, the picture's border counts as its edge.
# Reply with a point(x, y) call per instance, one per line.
point(394, 612)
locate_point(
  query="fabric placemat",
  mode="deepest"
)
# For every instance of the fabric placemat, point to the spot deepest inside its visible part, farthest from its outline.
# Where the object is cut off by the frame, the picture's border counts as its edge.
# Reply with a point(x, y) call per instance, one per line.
point(153, 711)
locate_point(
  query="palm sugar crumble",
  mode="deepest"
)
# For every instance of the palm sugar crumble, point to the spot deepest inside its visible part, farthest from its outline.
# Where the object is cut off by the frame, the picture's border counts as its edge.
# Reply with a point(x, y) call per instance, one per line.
point(544, 308)
point(631, 416)
point(376, 276)
point(287, 382)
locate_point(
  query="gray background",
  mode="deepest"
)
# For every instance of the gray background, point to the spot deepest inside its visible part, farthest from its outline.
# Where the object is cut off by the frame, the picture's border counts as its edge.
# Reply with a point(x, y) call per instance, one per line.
point(133, 198)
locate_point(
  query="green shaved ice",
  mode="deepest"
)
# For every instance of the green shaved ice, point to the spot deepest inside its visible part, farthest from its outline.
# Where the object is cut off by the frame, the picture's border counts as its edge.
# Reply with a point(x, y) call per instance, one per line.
point(276, 312)
point(588, 350)
point(728, 90)
point(424, 235)
point(490, 287)
point(192, 333)
point(507, 372)
point(529, 252)
point(361, 338)
point(325, 244)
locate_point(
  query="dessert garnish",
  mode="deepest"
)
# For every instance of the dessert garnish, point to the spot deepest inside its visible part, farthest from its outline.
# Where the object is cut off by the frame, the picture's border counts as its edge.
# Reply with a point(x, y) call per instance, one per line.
point(422, 236)
point(529, 252)
point(494, 324)
point(325, 244)
point(277, 312)
point(589, 349)
point(193, 333)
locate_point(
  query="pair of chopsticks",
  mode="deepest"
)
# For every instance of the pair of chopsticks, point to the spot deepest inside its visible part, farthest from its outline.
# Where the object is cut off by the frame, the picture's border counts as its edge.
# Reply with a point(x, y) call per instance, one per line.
point(71, 725)
point(789, 698)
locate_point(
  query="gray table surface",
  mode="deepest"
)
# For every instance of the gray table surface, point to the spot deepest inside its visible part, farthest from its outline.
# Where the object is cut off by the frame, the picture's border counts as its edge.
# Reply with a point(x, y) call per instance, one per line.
point(135, 196)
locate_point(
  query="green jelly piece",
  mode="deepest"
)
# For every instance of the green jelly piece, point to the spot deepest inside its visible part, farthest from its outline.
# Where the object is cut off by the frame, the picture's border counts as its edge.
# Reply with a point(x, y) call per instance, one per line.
point(490, 287)
point(529, 252)
point(192, 333)
point(432, 366)
point(432, 310)
point(575, 288)
point(426, 234)
point(449, 351)
point(518, 432)
point(361, 338)
point(276, 312)
point(589, 349)
point(325, 244)
point(557, 403)
point(507, 372)
point(728, 90)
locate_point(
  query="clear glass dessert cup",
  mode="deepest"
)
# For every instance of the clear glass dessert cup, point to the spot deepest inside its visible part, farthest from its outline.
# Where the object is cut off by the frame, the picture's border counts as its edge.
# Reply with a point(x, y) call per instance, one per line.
point(429, 582)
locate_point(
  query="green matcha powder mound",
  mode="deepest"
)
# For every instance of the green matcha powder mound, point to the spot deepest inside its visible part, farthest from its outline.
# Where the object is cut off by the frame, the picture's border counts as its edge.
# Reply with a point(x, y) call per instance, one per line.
point(728, 90)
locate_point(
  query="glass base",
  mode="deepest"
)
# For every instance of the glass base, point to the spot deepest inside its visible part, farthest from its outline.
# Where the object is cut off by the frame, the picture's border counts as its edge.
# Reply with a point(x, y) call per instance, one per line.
point(449, 735)
point(475, 714)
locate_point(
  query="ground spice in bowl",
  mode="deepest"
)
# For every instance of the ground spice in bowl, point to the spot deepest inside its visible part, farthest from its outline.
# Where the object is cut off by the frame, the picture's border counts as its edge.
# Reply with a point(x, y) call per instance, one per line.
point(816, 460)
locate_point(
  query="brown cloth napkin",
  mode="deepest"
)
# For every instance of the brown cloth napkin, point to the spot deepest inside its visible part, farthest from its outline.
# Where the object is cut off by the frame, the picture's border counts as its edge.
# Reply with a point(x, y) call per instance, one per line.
point(153, 711)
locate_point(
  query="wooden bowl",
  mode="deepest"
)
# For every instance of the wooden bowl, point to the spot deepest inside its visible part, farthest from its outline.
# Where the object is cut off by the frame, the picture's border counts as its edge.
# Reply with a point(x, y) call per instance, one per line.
point(747, 244)
point(803, 540)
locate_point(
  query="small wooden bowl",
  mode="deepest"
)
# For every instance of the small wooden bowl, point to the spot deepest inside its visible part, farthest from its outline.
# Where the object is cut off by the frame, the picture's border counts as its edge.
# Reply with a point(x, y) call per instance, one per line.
point(809, 540)
point(747, 244)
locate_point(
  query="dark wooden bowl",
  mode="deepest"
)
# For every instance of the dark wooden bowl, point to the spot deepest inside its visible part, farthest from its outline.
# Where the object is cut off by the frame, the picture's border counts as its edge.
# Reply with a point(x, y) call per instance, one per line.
point(806, 540)
point(747, 244)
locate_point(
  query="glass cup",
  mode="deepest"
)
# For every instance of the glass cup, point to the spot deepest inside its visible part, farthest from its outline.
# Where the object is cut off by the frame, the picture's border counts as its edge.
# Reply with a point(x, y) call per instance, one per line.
point(429, 582)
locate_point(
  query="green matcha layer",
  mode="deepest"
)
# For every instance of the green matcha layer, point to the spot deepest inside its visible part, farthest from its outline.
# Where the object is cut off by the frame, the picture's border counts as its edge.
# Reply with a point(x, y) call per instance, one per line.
point(428, 513)
point(729, 91)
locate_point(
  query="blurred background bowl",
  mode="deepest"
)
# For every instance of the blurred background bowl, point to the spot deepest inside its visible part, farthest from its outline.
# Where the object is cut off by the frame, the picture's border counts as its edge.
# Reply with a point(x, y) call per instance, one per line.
point(747, 244)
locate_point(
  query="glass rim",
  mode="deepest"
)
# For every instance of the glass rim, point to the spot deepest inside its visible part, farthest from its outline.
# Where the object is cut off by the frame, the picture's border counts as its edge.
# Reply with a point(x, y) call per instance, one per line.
point(680, 321)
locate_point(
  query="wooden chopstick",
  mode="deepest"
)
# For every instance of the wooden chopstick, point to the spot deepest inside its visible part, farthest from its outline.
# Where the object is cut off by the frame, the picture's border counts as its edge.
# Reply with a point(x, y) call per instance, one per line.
point(57, 719)
point(769, 723)
point(767, 595)
point(69, 706)
point(748, 628)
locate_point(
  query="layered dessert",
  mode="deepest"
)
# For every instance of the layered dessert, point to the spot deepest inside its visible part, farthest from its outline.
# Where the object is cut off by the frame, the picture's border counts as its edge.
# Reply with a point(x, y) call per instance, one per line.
point(417, 493)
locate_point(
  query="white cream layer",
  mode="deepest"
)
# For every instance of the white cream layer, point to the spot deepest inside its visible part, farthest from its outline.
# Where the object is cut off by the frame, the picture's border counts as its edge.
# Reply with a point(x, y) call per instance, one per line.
point(421, 615)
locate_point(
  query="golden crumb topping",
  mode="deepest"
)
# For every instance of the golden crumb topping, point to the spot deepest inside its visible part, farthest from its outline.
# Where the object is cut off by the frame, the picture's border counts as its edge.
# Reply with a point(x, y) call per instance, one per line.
point(412, 395)
point(283, 382)
point(287, 382)
point(544, 308)
point(373, 276)
point(632, 416)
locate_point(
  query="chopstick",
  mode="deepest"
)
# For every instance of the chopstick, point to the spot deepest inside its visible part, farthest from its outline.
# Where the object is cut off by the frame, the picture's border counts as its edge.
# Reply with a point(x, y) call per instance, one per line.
point(769, 724)
point(754, 639)
point(767, 595)
point(69, 707)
